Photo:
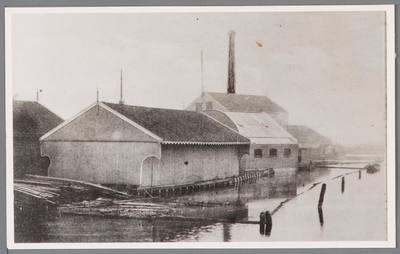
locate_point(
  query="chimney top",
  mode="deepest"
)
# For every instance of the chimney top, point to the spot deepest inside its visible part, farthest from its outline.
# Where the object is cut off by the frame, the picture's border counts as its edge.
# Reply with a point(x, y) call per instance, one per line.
point(231, 63)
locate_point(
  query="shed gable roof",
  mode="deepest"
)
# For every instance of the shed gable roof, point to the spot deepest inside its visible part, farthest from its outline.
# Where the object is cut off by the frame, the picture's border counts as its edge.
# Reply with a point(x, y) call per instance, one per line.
point(32, 118)
point(247, 103)
point(179, 125)
point(98, 124)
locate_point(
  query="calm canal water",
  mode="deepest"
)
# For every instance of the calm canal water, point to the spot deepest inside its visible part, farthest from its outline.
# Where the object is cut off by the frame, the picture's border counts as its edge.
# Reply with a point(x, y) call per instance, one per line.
point(357, 213)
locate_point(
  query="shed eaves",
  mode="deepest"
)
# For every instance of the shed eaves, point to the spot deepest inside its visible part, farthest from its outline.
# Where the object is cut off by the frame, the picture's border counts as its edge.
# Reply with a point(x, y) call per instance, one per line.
point(179, 125)
point(31, 118)
point(247, 103)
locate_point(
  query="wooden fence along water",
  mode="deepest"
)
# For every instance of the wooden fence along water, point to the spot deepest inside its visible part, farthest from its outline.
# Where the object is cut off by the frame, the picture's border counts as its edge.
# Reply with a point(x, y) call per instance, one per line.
point(174, 190)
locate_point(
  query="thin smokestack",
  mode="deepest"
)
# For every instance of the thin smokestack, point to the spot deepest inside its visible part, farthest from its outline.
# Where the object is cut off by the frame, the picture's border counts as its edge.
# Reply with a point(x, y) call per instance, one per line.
point(203, 89)
point(231, 65)
point(121, 100)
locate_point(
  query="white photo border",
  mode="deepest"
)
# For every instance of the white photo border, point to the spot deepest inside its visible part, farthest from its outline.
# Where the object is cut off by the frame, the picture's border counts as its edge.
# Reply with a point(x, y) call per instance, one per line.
point(390, 138)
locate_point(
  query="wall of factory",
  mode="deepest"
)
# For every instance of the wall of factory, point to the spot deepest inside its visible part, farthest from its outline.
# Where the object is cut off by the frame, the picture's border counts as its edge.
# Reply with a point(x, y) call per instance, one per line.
point(281, 118)
point(266, 160)
point(208, 104)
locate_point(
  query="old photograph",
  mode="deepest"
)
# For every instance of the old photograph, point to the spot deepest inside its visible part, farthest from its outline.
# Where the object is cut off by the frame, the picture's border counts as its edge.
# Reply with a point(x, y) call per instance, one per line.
point(178, 127)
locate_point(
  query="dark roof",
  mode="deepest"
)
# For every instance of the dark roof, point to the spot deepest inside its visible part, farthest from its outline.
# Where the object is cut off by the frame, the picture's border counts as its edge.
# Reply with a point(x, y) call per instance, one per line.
point(178, 125)
point(247, 103)
point(306, 135)
point(31, 118)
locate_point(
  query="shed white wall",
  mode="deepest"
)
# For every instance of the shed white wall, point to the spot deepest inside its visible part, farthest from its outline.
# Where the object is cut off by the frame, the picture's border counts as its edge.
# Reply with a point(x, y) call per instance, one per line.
point(98, 162)
point(203, 163)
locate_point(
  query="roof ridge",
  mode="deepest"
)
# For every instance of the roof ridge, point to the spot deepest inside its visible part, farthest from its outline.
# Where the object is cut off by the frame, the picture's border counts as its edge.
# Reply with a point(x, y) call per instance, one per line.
point(178, 125)
point(135, 106)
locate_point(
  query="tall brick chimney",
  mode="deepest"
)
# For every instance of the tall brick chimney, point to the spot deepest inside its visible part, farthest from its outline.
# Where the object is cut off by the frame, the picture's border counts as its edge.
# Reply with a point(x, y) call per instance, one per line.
point(231, 64)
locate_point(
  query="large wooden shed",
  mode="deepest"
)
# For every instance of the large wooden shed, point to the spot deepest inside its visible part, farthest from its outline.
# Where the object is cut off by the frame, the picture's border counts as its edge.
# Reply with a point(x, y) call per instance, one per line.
point(120, 144)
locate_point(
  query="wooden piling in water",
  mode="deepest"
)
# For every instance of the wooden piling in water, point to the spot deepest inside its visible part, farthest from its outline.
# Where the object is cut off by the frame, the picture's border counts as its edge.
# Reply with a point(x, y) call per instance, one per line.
point(321, 195)
point(342, 184)
point(268, 223)
point(321, 216)
point(359, 174)
point(262, 223)
point(265, 223)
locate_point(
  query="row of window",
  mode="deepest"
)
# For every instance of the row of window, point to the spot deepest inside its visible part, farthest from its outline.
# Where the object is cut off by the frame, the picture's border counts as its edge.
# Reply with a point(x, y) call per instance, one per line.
point(258, 153)
point(209, 106)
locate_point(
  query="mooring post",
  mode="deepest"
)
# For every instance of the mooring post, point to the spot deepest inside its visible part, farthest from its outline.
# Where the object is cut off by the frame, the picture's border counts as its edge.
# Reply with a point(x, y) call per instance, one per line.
point(268, 223)
point(321, 216)
point(321, 195)
point(359, 174)
point(342, 184)
point(262, 223)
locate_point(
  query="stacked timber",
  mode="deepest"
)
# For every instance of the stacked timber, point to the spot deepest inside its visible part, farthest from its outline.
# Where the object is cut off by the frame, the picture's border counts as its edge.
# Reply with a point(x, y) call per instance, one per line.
point(116, 208)
point(191, 210)
point(62, 191)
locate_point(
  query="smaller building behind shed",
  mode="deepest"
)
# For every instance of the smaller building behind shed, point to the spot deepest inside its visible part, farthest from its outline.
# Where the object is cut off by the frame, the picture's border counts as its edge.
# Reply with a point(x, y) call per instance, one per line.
point(312, 145)
point(31, 120)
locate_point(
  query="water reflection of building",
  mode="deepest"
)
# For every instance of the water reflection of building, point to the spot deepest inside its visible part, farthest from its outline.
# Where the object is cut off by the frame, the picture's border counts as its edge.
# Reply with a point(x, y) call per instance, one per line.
point(282, 185)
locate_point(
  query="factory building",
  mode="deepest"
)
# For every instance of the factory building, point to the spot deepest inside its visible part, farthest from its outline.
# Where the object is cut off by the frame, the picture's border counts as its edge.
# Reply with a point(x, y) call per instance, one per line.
point(255, 117)
point(231, 102)
point(271, 145)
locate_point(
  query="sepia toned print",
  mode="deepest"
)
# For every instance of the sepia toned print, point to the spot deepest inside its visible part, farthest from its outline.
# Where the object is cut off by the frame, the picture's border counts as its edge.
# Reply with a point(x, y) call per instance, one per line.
point(217, 126)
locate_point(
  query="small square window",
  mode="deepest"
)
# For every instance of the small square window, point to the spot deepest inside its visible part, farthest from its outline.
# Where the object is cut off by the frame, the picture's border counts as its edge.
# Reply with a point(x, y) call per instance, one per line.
point(257, 153)
point(287, 152)
point(198, 107)
point(273, 152)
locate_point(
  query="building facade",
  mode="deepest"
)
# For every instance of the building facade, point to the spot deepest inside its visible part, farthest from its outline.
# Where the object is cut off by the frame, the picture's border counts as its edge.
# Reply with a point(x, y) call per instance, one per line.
point(271, 145)
point(139, 146)
point(312, 145)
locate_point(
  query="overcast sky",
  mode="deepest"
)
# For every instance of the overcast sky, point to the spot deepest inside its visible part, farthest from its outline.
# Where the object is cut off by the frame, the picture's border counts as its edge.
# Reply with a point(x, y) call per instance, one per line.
point(326, 69)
